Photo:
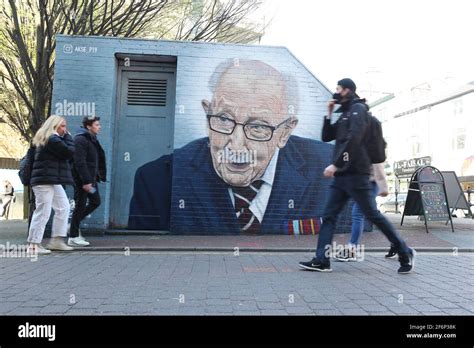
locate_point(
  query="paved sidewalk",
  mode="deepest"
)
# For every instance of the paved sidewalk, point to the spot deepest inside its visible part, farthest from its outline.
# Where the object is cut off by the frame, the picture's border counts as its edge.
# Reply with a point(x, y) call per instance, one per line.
point(413, 231)
point(255, 283)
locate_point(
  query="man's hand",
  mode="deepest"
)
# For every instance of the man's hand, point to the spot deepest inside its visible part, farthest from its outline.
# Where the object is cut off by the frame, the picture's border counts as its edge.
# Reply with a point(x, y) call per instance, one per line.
point(331, 105)
point(87, 187)
point(329, 171)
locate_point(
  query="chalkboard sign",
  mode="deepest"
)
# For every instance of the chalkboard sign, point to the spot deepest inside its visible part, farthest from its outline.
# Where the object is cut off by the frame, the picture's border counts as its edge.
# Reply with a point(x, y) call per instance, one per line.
point(434, 202)
point(427, 196)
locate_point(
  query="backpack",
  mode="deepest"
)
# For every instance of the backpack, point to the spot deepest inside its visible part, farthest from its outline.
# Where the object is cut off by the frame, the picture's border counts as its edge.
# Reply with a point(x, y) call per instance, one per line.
point(26, 166)
point(375, 143)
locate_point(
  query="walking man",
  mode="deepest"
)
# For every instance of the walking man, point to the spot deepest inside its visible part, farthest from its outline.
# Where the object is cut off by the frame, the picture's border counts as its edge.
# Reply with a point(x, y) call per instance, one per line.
point(88, 170)
point(378, 184)
point(351, 170)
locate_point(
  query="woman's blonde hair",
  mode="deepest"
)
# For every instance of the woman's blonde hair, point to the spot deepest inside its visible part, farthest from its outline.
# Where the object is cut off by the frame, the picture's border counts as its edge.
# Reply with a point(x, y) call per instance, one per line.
point(47, 129)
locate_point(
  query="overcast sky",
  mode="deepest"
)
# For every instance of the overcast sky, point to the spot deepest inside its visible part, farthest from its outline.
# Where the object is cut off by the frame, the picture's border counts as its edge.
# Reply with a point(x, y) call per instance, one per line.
point(383, 45)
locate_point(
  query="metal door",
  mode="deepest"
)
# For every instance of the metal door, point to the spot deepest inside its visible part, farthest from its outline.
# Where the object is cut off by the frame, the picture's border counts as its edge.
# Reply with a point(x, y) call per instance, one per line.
point(144, 132)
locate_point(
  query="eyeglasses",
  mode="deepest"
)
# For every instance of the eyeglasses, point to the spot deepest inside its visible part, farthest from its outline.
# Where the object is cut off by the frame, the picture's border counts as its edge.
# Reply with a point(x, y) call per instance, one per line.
point(93, 118)
point(220, 123)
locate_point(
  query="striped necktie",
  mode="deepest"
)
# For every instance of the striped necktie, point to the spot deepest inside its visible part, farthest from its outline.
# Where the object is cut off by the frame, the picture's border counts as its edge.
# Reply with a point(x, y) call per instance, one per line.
point(243, 197)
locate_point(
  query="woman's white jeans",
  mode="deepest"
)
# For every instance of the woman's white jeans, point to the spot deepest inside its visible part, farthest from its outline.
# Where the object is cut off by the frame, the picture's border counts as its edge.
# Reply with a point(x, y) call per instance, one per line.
point(47, 197)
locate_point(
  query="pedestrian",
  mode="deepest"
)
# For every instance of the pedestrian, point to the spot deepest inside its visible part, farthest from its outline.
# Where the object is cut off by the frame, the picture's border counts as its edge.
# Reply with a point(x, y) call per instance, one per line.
point(7, 197)
point(54, 148)
point(379, 187)
point(89, 169)
point(350, 171)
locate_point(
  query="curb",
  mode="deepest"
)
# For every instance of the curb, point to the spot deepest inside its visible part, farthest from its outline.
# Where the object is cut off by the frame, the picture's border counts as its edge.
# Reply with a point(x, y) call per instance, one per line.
point(247, 249)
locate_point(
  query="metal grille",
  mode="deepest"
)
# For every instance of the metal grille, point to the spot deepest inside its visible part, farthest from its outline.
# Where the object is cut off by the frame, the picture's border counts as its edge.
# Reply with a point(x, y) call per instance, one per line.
point(146, 92)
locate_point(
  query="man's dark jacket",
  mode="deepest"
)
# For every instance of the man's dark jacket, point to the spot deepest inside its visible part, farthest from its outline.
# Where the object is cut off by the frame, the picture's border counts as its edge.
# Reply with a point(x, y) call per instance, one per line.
point(350, 153)
point(89, 159)
point(51, 162)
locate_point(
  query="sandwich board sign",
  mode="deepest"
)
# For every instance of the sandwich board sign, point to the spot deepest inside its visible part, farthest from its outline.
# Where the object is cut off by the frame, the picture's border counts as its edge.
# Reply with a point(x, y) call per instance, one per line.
point(456, 198)
point(427, 196)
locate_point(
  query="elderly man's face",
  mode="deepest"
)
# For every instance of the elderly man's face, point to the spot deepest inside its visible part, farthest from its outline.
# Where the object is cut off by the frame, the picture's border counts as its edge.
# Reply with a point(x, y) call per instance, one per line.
point(259, 100)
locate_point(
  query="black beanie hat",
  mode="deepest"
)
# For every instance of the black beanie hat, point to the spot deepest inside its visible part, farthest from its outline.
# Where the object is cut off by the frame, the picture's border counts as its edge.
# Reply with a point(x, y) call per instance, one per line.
point(347, 83)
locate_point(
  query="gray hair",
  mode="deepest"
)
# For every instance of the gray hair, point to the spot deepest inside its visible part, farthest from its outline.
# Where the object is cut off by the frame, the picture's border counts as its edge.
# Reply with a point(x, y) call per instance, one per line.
point(290, 83)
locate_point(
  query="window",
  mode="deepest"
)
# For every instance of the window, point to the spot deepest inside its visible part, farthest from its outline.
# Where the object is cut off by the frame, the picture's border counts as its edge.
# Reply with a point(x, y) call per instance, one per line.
point(460, 139)
point(458, 107)
point(415, 146)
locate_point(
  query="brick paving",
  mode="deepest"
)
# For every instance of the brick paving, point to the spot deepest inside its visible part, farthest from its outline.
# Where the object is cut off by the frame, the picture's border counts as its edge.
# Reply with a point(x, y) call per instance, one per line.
point(253, 283)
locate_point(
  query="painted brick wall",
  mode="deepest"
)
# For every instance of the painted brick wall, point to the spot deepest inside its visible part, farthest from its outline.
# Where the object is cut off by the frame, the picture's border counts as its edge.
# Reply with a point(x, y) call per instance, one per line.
point(86, 72)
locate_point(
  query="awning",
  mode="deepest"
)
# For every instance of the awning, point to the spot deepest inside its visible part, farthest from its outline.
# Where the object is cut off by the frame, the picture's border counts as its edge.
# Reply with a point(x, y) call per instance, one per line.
point(469, 178)
point(9, 163)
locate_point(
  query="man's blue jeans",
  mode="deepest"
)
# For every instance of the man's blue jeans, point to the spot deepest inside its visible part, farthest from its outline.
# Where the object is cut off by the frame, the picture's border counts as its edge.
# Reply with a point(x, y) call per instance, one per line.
point(358, 217)
point(358, 187)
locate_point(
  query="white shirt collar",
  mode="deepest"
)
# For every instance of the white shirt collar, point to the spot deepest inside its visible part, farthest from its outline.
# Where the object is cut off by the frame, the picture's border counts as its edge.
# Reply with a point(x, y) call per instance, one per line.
point(260, 202)
point(269, 174)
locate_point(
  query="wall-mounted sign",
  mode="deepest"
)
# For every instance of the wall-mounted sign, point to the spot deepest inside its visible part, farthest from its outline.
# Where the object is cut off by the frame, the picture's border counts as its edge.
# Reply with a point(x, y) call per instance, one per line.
point(406, 168)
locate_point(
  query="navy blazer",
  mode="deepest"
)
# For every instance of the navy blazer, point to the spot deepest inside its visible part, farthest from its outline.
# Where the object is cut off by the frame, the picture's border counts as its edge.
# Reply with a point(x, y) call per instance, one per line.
point(200, 202)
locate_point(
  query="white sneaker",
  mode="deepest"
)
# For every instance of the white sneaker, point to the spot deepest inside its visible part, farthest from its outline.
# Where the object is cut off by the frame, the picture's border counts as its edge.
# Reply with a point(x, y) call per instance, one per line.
point(84, 240)
point(42, 250)
point(77, 242)
point(37, 249)
point(58, 244)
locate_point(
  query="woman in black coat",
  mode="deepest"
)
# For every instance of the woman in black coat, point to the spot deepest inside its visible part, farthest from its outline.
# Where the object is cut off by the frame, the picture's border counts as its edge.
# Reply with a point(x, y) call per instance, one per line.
point(51, 170)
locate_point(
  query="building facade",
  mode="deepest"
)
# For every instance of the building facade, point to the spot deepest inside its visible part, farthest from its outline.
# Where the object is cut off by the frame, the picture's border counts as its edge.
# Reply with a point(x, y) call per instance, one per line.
point(431, 122)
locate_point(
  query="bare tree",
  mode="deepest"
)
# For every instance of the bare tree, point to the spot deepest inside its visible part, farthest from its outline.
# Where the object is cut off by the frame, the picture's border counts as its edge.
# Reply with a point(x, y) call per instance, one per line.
point(215, 20)
point(28, 29)
point(15, 146)
point(27, 43)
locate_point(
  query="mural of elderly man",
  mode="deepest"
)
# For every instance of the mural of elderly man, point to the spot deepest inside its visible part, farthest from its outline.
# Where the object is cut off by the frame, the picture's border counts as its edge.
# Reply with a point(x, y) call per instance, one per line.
point(250, 175)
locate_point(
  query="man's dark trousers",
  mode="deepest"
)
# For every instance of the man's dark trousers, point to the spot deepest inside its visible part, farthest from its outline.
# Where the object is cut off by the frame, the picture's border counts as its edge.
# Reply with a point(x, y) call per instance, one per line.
point(358, 187)
point(82, 207)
